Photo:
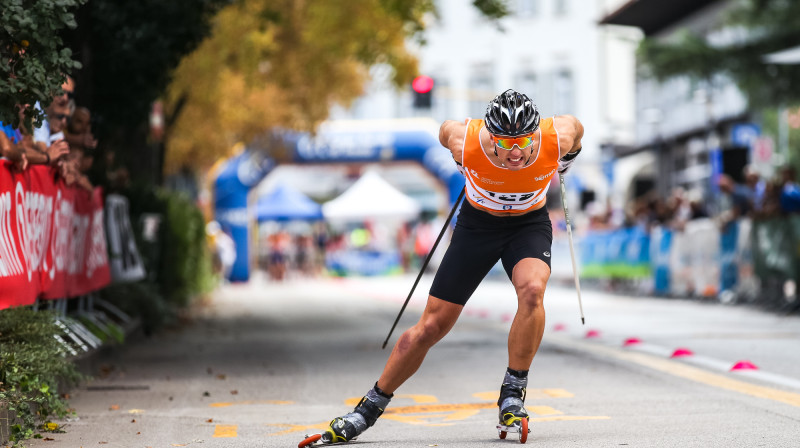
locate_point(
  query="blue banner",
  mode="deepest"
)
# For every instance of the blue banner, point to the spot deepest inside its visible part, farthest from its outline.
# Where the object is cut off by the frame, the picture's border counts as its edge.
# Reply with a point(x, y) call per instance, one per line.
point(662, 246)
point(729, 268)
point(233, 183)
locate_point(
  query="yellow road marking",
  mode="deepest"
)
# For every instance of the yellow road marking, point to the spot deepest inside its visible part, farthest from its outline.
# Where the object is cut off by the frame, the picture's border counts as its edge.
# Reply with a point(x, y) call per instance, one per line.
point(237, 403)
point(543, 410)
point(428, 414)
point(531, 394)
point(425, 419)
point(225, 431)
point(552, 393)
point(418, 398)
point(316, 428)
point(431, 408)
point(692, 373)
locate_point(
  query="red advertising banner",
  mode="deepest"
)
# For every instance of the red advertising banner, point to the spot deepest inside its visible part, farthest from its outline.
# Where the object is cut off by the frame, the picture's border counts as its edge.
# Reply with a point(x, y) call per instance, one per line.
point(52, 237)
point(17, 285)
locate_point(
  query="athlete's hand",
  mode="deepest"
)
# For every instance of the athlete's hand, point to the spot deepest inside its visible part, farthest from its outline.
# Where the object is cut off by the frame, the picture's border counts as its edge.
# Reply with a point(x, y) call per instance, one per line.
point(566, 162)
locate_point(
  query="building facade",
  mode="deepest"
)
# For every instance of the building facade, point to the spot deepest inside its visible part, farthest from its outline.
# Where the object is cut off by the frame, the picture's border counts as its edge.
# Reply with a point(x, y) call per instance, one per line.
point(552, 50)
point(687, 132)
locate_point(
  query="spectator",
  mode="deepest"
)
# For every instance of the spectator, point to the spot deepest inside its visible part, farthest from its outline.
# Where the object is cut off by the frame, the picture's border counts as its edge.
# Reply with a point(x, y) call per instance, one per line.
point(790, 191)
point(697, 205)
point(42, 153)
point(58, 109)
point(771, 206)
point(79, 130)
point(76, 166)
point(10, 151)
point(754, 188)
point(731, 202)
point(223, 248)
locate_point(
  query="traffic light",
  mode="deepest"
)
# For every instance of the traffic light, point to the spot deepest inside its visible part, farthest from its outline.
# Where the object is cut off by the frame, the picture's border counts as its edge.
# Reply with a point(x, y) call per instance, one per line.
point(423, 90)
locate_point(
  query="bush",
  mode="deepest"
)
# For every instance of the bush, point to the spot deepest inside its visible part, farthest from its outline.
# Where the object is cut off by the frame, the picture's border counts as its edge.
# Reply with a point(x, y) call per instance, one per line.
point(178, 264)
point(32, 364)
point(185, 259)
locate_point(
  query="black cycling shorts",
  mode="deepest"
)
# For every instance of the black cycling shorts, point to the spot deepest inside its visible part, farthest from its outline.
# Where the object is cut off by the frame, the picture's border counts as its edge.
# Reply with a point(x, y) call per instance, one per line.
point(480, 239)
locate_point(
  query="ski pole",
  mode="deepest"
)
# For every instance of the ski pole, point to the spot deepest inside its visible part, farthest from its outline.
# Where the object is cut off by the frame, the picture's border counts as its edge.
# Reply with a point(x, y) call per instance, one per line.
point(424, 265)
point(571, 246)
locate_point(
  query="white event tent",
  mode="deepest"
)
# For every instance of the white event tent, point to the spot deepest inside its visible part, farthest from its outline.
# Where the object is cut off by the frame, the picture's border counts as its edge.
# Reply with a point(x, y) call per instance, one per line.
point(371, 198)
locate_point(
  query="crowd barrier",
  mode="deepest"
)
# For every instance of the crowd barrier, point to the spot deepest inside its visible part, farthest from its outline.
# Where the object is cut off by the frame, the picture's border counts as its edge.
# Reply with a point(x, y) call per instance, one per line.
point(743, 261)
point(622, 253)
point(363, 262)
point(52, 237)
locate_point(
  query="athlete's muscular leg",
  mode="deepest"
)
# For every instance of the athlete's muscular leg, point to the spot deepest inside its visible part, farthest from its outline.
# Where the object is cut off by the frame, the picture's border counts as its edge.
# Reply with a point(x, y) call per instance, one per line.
point(529, 278)
point(409, 351)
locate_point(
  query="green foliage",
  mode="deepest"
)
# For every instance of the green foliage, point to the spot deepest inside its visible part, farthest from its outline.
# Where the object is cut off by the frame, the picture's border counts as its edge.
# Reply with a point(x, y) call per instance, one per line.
point(109, 331)
point(178, 263)
point(492, 9)
point(753, 29)
point(33, 60)
point(32, 364)
point(133, 47)
point(186, 262)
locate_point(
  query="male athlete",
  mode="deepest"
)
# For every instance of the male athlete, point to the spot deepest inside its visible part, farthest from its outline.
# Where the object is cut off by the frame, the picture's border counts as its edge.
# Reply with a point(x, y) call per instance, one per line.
point(508, 160)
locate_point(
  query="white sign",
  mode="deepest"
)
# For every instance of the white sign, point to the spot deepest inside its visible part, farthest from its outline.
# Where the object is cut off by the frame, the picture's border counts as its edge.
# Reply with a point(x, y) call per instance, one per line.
point(126, 264)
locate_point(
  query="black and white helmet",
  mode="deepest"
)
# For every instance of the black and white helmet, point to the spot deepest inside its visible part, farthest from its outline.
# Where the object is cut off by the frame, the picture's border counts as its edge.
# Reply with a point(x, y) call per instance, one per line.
point(512, 114)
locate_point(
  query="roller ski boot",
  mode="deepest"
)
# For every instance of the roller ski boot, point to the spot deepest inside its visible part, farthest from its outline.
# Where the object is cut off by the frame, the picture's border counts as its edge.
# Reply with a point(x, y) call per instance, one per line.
point(513, 416)
point(350, 426)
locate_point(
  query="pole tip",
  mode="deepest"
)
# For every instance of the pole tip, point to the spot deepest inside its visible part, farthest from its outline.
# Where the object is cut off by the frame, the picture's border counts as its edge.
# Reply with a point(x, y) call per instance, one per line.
point(583, 321)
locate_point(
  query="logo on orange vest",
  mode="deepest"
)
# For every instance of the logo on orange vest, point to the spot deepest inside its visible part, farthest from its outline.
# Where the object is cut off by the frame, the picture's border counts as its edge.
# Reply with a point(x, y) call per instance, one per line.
point(546, 176)
point(483, 179)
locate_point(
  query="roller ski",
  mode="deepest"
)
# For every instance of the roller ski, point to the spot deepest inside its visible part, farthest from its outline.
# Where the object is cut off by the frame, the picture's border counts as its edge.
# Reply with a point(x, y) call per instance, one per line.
point(513, 416)
point(348, 427)
point(520, 427)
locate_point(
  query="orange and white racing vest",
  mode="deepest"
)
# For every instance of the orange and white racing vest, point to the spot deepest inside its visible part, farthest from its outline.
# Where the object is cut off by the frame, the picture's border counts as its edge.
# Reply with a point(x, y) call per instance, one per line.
point(490, 187)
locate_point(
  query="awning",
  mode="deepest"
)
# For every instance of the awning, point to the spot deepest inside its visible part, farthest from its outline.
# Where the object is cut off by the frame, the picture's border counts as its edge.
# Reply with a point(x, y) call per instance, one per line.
point(653, 16)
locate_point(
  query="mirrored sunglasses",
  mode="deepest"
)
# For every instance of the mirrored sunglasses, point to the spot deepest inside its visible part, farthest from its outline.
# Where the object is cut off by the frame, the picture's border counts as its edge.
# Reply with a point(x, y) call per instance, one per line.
point(508, 143)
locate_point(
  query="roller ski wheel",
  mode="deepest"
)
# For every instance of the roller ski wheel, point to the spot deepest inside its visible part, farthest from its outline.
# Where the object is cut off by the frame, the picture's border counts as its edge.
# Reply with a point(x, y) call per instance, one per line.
point(326, 438)
point(521, 428)
point(310, 440)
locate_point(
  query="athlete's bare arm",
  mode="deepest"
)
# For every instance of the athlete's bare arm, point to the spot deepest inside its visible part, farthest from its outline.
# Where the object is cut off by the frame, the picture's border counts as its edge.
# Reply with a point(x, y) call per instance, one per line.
point(570, 132)
point(451, 136)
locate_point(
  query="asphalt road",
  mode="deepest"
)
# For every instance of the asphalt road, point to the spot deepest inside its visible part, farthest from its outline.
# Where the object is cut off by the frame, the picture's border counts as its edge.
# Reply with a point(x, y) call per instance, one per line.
point(264, 364)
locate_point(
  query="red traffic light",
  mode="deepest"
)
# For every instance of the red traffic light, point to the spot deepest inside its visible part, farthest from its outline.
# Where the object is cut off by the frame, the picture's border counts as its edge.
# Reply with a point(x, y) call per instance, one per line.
point(422, 84)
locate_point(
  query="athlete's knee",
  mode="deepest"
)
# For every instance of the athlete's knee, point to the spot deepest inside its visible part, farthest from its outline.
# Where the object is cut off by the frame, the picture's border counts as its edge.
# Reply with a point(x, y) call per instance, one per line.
point(431, 330)
point(531, 293)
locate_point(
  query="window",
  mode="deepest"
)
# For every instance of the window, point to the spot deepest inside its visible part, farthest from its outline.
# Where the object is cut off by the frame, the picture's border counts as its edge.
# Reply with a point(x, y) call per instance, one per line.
point(481, 91)
point(526, 83)
point(564, 92)
point(527, 8)
point(561, 8)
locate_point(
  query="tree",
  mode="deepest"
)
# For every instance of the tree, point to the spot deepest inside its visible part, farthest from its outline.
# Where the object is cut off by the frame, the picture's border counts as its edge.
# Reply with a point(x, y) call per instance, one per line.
point(129, 50)
point(283, 64)
point(33, 59)
point(753, 29)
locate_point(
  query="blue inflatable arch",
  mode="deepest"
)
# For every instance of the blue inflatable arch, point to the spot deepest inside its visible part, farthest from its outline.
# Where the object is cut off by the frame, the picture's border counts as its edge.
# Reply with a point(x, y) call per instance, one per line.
point(335, 142)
